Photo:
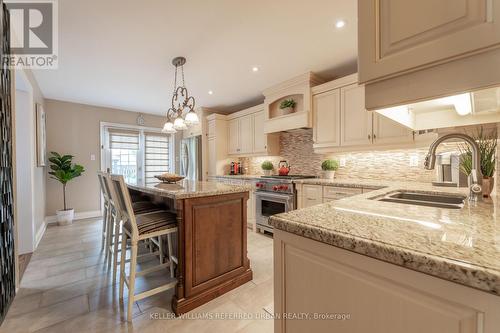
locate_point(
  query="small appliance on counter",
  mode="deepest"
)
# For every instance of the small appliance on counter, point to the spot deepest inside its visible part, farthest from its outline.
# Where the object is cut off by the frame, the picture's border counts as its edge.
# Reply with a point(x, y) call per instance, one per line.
point(235, 169)
point(283, 168)
point(448, 171)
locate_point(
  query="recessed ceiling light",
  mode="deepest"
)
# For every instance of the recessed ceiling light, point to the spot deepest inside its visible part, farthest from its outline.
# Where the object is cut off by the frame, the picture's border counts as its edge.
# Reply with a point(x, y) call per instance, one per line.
point(340, 24)
point(210, 92)
point(255, 69)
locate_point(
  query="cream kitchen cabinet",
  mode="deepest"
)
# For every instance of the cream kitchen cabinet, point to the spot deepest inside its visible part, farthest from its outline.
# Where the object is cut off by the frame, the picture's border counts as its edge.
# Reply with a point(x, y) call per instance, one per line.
point(215, 140)
point(369, 294)
point(246, 134)
point(341, 121)
point(438, 48)
point(310, 195)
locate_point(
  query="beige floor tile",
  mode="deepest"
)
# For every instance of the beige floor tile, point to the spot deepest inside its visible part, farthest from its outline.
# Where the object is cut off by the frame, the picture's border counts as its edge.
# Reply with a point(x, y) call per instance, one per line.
point(46, 316)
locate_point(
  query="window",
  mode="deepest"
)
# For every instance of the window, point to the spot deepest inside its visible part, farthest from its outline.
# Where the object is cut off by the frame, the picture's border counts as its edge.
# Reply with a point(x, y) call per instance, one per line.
point(156, 156)
point(136, 154)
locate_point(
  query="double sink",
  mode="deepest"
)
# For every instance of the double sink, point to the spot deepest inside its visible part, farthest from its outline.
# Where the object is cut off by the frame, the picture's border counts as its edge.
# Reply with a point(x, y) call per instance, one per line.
point(424, 199)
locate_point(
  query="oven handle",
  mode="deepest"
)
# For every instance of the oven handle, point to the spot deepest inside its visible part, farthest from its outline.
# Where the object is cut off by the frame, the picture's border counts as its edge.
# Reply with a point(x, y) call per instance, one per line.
point(274, 195)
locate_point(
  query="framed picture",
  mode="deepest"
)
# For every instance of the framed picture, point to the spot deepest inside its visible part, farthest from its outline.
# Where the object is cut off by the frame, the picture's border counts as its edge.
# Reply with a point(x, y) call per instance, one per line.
point(41, 136)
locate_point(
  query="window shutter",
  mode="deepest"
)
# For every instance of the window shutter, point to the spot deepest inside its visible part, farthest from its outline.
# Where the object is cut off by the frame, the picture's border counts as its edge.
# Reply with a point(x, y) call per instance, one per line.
point(156, 157)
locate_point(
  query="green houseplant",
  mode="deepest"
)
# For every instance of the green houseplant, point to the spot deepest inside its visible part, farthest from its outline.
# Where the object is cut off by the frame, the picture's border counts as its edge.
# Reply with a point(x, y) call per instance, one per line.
point(329, 167)
point(267, 167)
point(487, 143)
point(288, 105)
point(63, 170)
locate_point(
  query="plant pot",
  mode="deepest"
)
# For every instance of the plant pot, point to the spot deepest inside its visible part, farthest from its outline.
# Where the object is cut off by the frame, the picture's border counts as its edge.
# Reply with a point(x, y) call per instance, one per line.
point(268, 172)
point(65, 217)
point(288, 110)
point(328, 174)
point(488, 183)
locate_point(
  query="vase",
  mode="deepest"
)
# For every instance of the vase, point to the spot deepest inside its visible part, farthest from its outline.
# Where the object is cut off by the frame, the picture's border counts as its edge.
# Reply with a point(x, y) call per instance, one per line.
point(65, 217)
point(288, 110)
point(488, 183)
point(268, 172)
point(328, 174)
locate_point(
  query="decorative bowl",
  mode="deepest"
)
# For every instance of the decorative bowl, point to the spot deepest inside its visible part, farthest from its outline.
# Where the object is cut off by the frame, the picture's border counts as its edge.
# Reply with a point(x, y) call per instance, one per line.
point(169, 178)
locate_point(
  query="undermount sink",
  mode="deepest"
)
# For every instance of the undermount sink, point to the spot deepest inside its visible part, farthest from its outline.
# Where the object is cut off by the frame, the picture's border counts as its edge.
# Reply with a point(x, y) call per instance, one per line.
point(425, 199)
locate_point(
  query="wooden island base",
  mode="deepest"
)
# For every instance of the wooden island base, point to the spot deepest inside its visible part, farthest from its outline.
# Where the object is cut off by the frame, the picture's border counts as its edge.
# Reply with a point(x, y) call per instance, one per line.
point(212, 249)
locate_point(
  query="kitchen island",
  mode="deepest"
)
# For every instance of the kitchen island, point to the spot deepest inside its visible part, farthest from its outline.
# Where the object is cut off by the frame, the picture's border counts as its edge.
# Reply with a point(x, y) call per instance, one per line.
point(212, 238)
point(389, 267)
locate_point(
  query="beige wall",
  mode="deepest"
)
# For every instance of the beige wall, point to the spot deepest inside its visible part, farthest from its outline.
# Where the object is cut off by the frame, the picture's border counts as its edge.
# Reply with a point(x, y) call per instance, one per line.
point(74, 129)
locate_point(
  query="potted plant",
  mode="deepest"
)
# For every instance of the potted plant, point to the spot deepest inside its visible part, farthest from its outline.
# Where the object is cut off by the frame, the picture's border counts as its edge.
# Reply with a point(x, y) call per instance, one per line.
point(487, 148)
point(288, 106)
point(63, 170)
point(267, 167)
point(329, 167)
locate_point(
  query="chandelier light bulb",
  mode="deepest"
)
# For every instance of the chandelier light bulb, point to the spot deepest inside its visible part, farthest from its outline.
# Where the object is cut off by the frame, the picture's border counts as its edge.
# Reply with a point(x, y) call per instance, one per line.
point(168, 128)
point(192, 118)
point(179, 124)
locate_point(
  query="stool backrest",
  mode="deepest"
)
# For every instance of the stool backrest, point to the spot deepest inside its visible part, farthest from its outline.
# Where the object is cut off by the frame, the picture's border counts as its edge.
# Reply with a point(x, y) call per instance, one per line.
point(104, 189)
point(123, 203)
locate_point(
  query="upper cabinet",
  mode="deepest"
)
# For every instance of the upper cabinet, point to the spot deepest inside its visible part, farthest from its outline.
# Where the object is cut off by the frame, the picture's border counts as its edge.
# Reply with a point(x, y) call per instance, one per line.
point(415, 50)
point(341, 122)
point(298, 90)
point(246, 135)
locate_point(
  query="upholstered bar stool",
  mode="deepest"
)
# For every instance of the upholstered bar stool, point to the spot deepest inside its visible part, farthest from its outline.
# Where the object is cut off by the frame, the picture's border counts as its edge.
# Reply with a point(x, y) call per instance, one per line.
point(113, 224)
point(138, 228)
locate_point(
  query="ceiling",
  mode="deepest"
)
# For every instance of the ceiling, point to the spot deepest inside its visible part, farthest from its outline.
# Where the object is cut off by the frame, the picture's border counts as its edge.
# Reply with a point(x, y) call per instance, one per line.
point(117, 53)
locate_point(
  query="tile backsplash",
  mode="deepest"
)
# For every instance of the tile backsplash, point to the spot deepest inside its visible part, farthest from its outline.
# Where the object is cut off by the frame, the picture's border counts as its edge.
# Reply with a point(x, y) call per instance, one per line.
point(297, 148)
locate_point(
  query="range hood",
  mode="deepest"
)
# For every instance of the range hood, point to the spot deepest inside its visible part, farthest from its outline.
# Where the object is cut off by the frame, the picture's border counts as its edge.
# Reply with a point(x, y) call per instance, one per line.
point(472, 108)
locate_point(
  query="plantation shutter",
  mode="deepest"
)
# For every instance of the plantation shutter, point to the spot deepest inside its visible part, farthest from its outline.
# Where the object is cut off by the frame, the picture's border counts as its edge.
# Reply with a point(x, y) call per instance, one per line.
point(119, 139)
point(156, 157)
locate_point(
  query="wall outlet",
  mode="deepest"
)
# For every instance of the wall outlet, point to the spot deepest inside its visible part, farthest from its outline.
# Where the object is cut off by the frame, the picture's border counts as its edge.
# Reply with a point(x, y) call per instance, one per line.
point(414, 160)
point(92, 157)
point(343, 162)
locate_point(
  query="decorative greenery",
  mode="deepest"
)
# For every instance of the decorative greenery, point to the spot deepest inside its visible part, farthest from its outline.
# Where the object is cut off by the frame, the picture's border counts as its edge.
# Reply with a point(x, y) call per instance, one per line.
point(330, 165)
point(288, 103)
point(63, 170)
point(487, 148)
point(267, 165)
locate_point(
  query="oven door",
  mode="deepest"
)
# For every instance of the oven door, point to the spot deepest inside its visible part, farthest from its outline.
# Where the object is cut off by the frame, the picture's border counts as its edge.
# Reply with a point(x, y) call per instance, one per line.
point(269, 204)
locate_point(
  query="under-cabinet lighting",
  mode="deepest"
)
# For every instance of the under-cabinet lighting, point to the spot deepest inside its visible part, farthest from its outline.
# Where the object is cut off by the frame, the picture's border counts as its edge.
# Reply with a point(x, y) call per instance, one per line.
point(340, 24)
point(462, 103)
point(255, 69)
point(210, 92)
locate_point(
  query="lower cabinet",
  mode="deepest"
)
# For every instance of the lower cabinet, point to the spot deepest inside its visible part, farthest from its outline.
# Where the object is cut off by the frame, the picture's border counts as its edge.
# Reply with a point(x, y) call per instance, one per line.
point(311, 195)
point(349, 292)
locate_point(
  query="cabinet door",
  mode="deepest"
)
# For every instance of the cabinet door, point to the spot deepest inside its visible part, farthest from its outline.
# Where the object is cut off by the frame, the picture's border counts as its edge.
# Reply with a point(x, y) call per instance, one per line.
point(212, 156)
point(312, 195)
point(246, 135)
point(233, 136)
point(259, 137)
point(396, 36)
point(326, 115)
point(356, 121)
point(387, 131)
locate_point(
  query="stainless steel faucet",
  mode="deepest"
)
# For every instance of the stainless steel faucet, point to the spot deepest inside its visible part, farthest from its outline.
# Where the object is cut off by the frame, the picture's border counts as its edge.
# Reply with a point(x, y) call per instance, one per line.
point(476, 190)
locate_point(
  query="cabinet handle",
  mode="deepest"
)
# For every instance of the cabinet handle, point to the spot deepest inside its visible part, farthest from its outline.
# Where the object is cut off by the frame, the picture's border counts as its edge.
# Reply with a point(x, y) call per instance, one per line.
point(374, 136)
point(369, 137)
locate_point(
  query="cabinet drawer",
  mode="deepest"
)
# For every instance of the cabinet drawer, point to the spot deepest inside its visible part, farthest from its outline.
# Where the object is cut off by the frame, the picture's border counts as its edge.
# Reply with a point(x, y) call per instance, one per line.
point(312, 192)
point(335, 193)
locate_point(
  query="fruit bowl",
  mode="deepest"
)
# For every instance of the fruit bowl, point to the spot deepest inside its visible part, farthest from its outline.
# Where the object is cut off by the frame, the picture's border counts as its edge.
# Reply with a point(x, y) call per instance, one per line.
point(169, 178)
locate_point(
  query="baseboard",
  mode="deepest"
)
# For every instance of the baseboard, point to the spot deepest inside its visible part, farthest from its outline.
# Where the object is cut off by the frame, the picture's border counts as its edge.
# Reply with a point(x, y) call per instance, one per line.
point(39, 233)
point(78, 216)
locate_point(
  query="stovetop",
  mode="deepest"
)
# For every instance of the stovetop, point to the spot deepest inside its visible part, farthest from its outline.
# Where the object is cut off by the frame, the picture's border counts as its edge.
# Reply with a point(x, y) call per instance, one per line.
point(289, 177)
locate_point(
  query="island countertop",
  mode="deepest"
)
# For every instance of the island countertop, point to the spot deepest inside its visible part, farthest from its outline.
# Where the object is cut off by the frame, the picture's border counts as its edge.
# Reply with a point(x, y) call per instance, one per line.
point(459, 245)
point(188, 189)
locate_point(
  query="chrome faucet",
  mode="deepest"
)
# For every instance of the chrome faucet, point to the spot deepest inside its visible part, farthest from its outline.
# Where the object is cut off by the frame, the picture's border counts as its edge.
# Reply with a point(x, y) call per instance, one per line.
point(475, 176)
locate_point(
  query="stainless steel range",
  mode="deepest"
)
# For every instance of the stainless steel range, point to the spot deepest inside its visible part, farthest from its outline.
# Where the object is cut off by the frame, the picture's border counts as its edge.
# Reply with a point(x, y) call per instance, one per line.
point(274, 195)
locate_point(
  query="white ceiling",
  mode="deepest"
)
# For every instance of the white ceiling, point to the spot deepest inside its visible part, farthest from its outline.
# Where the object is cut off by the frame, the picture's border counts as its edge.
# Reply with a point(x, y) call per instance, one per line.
point(117, 53)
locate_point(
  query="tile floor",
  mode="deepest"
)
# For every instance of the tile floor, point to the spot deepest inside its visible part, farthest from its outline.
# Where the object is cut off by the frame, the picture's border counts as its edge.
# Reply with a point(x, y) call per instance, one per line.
point(68, 288)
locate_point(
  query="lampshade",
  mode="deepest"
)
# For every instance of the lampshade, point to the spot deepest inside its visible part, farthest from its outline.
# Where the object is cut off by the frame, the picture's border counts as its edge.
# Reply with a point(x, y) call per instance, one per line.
point(168, 128)
point(179, 124)
point(191, 118)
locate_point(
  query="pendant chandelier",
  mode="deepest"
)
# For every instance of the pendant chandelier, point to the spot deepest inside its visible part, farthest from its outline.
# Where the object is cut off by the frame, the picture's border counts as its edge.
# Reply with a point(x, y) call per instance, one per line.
point(181, 114)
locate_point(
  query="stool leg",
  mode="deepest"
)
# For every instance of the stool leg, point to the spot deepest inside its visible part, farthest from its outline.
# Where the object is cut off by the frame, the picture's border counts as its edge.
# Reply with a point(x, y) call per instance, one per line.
point(104, 229)
point(115, 247)
point(122, 263)
point(109, 236)
point(170, 254)
point(160, 249)
point(131, 289)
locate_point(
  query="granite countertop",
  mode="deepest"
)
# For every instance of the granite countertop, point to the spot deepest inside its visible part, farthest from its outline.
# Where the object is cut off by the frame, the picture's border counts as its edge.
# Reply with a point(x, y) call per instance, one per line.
point(369, 183)
point(189, 189)
point(459, 245)
point(243, 177)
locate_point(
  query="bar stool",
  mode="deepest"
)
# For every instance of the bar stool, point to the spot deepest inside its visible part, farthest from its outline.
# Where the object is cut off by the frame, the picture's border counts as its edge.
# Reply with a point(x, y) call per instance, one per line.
point(113, 222)
point(107, 212)
point(138, 228)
